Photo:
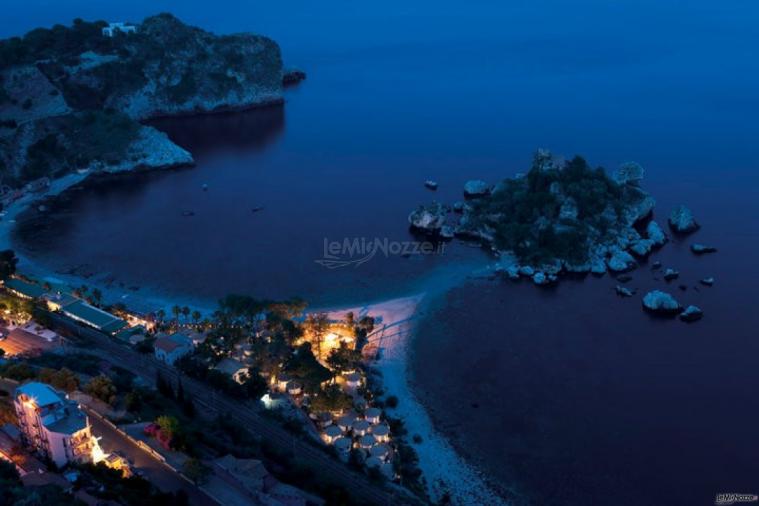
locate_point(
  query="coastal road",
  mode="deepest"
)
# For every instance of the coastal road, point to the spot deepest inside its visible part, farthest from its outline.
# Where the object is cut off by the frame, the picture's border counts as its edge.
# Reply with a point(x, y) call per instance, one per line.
point(151, 468)
point(213, 403)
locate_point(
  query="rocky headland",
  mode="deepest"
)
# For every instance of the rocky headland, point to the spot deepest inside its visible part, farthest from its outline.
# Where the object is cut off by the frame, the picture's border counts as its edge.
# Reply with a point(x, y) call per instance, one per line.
point(72, 98)
point(561, 216)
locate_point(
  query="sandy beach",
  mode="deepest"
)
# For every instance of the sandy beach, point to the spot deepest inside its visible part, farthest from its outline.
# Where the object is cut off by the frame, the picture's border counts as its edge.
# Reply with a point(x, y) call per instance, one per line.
point(443, 469)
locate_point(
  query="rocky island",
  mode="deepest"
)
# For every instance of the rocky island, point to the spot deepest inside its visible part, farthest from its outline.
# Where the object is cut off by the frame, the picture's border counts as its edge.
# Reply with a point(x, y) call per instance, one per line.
point(562, 216)
point(72, 98)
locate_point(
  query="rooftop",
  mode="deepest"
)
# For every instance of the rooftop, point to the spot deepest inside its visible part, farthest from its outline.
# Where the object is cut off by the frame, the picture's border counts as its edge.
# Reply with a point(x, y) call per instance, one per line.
point(42, 393)
point(230, 366)
point(23, 287)
point(96, 317)
point(56, 412)
point(170, 342)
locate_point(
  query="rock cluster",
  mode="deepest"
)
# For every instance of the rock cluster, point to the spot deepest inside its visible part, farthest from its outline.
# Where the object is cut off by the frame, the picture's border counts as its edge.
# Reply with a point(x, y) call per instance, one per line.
point(600, 242)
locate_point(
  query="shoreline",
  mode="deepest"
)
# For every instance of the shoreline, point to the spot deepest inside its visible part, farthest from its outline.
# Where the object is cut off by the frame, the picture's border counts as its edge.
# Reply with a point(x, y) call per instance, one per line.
point(140, 298)
point(443, 469)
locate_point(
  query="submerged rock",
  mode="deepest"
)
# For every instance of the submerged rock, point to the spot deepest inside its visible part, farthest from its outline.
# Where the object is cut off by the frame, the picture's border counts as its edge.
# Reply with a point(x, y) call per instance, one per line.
point(707, 281)
point(660, 302)
point(428, 218)
point(656, 266)
point(670, 274)
point(539, 278)
point(700, 249)
point(446, 232)
point(624, 278)
point(623, 291)
point(681, 220)
point(432, 185)
point(476, 188)
point(691, 314)
point(458, 207)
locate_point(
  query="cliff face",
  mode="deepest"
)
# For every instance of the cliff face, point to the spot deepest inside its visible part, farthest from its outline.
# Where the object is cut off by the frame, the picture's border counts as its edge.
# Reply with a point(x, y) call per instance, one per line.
point(168, 68)
point(61, 88)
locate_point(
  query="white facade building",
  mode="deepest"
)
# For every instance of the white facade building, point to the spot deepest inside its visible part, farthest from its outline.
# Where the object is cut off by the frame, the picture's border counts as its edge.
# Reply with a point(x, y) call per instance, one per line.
point(170, 348)
point(53, 425)
point(112, 28)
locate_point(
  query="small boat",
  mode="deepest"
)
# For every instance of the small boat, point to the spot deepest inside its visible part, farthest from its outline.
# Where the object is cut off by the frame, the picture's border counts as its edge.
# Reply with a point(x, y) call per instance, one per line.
point(256, 209)
point(432, 185)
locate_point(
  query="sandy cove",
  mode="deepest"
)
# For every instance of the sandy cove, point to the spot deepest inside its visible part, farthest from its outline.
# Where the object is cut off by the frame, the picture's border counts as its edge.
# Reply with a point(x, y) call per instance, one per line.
point(443, 469)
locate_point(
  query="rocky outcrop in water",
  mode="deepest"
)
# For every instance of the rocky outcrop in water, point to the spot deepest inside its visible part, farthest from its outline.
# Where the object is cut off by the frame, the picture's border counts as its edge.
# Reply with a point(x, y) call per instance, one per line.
point(670, 274)
point(59, 85)
point(700, 249)
point(291, 77)
point(691, 314)
point(681, 220)
point(624, 291)
point(562, 216)
point(428, 219)
point(660, 302)
point(476, 188)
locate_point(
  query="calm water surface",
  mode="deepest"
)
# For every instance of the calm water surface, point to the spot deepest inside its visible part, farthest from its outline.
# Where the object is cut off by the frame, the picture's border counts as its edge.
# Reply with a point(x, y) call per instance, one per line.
point(568, 396)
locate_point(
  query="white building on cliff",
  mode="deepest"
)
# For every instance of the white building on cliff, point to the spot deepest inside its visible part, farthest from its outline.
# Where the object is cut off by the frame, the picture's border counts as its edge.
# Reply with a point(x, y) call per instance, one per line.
point(112, 28)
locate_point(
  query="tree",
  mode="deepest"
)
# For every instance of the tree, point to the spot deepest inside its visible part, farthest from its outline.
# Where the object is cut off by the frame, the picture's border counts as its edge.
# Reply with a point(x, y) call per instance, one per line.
point(196, 316)
point(97, 296)
point(176, 311)
point(160, 314)
point(101, 387)
point(164, 386)
point(169, 430)
point(344, 358)
point(8, 263)
point(196, 471)
point(64, 379)
point(133, 401)
point(185, 312)
point(303, 366)
point(318, 324)
point(255, 386)
point(331, 399)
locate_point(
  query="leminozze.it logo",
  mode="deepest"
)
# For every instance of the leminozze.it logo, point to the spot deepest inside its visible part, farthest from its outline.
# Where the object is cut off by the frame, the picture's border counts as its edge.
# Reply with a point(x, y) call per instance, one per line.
point(732, 498)
point(359, 250)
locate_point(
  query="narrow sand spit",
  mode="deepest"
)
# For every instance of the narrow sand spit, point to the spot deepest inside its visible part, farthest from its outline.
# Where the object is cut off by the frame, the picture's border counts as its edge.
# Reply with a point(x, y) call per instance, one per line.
point(442, 468)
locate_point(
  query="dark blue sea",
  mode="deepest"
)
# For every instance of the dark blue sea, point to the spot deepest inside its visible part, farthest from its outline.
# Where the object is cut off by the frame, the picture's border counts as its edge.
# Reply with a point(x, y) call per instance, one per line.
point(567, 396)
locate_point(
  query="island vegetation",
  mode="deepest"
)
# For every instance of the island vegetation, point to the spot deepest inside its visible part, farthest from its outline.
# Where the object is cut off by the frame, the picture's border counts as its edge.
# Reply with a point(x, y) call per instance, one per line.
point(562, 215)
